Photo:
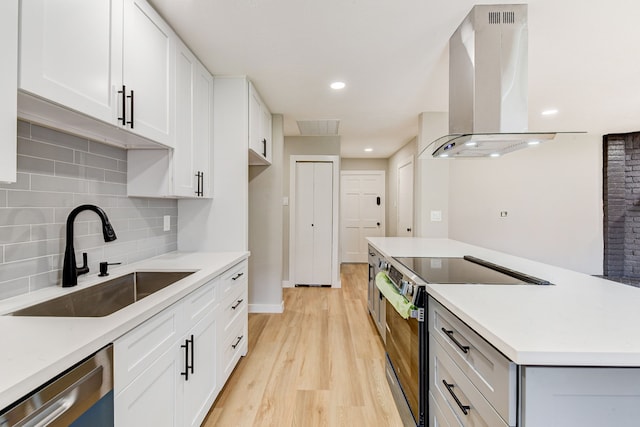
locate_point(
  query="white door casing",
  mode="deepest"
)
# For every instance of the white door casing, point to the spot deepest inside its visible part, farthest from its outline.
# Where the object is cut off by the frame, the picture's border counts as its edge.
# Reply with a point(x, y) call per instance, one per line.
point(362, 212)
point(405, 198)
point(313, 250)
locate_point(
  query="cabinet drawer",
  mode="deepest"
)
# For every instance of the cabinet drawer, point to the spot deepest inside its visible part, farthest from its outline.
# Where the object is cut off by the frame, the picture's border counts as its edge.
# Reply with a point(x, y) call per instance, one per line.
point(491, 372)
point(201, 301)
point(135, 351)
point(437, 417)
point(458, 387)
point(234, 305)
point(233, 278)
point(234, 346)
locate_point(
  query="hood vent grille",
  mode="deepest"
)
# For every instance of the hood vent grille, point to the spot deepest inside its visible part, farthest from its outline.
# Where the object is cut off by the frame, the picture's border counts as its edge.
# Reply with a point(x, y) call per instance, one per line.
point(502, 17)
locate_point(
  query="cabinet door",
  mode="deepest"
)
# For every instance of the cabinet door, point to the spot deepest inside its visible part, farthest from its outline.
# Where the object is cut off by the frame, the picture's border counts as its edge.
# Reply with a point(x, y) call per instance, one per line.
point(255, 127)
point(266, 126)
point(148, 70)
point(203, 128)
point(202, 386)
point(153, 398)
point(8, 48)
point(184, 179)
point(70, 53)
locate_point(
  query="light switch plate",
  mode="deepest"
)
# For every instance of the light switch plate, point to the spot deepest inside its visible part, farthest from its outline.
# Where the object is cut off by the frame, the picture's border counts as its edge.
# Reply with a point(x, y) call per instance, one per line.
point(436, 216)
point(167, 223)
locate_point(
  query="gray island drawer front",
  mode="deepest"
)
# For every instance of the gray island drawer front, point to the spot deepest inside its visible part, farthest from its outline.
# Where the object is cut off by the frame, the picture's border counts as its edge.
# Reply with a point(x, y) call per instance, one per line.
point(489, 370)
point(459, 400)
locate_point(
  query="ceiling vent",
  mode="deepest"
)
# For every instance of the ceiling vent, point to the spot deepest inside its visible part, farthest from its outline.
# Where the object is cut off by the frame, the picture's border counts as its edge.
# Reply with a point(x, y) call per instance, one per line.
point(318, 127)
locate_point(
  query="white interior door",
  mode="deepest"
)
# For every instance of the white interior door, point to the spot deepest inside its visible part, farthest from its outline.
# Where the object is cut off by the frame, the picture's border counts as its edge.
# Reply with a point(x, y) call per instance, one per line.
point(405, 198)
point(362, 195)
point(313, 223)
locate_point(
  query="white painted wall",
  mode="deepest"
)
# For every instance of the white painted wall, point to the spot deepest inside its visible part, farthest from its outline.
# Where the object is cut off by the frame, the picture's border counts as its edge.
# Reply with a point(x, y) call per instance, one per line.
point(553, 196)
point(432, 178)
point(265, 229)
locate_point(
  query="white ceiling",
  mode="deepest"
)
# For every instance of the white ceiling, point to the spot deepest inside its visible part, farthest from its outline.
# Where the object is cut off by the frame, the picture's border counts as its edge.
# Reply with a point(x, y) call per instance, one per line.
point(393, 55)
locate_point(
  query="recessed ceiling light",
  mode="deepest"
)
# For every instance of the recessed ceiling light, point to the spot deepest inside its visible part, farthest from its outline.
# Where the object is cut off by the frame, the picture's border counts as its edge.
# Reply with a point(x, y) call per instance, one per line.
point(338, 85)
point(444, 155)
point(550, 112)
point(471, 144)
point(534, 142)
point(494, 155)
point(368, 150)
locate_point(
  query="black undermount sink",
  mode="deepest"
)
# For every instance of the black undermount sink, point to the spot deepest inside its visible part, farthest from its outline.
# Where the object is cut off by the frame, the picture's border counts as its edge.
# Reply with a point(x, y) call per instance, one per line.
point(107, 297)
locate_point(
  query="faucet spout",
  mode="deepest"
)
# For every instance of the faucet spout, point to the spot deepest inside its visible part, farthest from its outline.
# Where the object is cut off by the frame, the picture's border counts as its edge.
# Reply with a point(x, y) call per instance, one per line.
point(70, 270)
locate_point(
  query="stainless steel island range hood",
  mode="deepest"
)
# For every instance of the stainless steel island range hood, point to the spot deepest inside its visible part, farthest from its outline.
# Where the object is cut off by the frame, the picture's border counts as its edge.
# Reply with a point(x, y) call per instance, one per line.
point(488, 85)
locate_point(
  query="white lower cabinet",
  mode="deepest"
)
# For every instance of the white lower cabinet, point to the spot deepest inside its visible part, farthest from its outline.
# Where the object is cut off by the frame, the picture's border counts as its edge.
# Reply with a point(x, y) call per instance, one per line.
point(169, 370)
point(152, 399)
point(201, 388)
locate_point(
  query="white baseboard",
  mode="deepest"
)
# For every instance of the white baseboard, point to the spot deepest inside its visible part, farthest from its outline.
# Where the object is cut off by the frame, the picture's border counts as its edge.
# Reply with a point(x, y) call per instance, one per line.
point(266, 308)
point(337, 284)
point(287, 284)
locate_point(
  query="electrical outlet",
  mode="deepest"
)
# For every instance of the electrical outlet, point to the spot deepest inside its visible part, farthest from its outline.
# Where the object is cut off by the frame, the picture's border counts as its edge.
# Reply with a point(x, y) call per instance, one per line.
point(167, 223)
point(503, 214)
point(436, 216)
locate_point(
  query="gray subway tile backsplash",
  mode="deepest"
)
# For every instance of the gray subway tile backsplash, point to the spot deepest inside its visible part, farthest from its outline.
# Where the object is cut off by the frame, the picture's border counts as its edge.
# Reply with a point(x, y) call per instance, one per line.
point(57, 172)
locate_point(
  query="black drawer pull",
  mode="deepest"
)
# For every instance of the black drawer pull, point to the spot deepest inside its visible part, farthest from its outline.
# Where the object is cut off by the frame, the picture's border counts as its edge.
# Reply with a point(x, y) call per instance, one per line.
point(237, 304)
point(237, 342)
point(464, 348)
point(237, 276)
point(185, 374)
point(463, 408)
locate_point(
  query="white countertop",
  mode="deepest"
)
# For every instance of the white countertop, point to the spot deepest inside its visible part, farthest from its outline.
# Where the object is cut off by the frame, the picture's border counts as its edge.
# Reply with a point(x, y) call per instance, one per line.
point(581, 321)
point(35, 349)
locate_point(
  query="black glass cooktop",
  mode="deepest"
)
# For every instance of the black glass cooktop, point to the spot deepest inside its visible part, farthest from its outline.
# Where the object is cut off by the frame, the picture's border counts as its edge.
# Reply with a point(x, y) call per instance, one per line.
point(467, 270)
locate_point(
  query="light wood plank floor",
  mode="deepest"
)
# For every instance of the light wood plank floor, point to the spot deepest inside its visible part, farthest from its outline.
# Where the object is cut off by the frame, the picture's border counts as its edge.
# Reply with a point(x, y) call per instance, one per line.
point(320, 363)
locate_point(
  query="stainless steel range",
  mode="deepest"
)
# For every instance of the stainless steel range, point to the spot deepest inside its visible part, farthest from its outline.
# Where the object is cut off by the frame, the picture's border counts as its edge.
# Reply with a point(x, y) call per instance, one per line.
point(407, 339)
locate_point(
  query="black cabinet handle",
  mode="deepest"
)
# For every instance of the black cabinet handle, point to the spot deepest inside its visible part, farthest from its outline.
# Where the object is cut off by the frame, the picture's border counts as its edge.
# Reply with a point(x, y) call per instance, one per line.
point(409, 230)
point(370, 272)
point(186, 360)
point(372, 254)
point(378, 200)
point(237, 276)
point(124, 106)
point(237, 342)
point(237, 304)
point(130, 123)
point(378, 224)
point(264, 147)
point(463, 408)
point(464, 348)
point(192, 352)
point(200, 184)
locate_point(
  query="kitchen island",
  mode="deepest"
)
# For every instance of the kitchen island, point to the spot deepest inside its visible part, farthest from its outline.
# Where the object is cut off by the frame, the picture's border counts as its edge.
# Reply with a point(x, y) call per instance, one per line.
point(576, 343)
point(35, 349)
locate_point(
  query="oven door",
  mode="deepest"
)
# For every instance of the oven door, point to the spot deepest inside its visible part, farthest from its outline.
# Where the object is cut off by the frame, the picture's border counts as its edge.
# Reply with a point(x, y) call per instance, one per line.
point(403, 352)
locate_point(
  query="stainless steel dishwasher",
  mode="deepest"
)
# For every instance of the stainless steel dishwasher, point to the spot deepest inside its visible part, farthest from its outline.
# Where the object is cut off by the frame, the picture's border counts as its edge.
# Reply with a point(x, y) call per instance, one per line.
point(82, 396)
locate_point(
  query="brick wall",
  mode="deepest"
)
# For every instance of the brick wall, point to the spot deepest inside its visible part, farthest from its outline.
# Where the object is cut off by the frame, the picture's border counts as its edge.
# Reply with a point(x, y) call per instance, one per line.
point(621, 199)
point(57, 172)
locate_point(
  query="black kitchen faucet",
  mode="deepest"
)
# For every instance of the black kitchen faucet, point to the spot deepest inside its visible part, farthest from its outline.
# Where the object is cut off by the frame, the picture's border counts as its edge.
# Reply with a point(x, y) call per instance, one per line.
point(70, 270)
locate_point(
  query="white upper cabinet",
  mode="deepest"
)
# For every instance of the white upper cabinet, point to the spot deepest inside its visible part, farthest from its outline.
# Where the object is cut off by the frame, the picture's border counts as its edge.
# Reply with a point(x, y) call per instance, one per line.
point(148, 55)
point(183, 172)
point(110, 60)
point(71, 53)
point(259, 129)
point(8, 79)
